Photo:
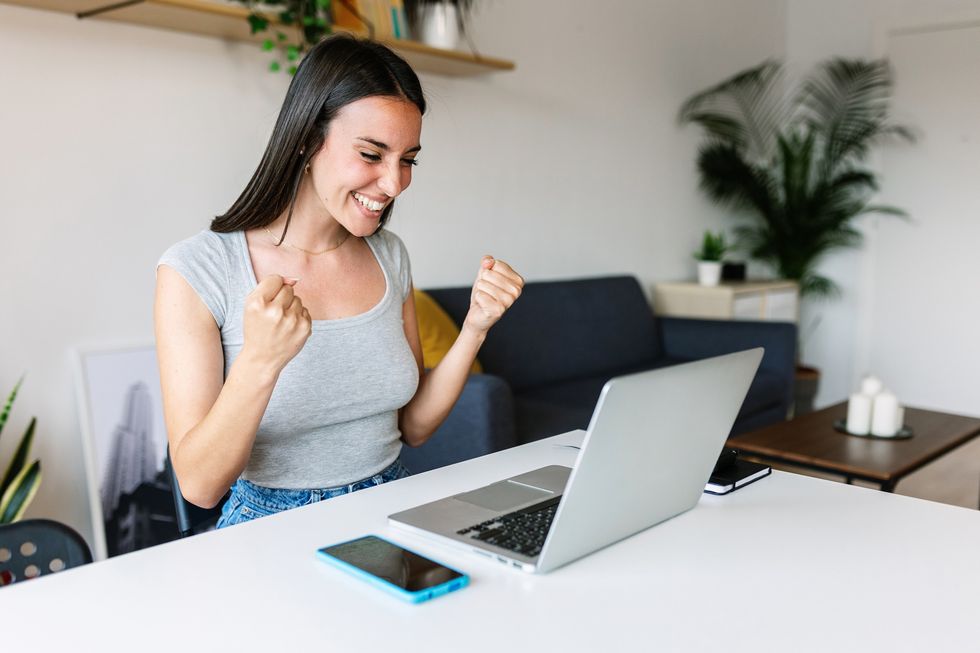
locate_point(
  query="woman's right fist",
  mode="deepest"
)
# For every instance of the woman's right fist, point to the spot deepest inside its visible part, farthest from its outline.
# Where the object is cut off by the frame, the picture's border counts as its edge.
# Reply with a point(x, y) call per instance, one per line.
point(276, 322)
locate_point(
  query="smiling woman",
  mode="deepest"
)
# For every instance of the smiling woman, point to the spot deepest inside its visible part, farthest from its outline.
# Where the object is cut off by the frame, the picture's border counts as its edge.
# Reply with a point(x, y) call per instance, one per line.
point(288, 345)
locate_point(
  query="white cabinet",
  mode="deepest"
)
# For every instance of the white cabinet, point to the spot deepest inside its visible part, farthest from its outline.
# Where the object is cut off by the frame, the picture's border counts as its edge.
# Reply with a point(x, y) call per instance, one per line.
point(731, 300)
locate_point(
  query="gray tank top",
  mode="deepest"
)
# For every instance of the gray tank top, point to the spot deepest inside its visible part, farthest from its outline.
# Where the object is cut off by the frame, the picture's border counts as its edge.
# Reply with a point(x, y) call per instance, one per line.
point(333, 416)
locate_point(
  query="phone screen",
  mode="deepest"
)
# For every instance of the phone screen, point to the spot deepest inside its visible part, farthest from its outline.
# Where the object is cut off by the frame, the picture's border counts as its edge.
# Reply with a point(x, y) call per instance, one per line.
point(392, 563)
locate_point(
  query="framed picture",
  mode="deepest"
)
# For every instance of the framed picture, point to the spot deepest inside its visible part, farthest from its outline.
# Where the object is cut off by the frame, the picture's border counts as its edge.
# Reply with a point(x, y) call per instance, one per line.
point(125, 444)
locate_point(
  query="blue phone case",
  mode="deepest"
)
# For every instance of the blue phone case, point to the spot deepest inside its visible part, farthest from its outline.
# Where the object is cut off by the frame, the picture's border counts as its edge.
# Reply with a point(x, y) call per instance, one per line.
point(412, 597)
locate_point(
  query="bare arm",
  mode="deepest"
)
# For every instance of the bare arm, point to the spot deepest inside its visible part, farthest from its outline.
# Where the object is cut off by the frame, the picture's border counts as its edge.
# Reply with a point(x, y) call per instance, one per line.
point(497, 287)
point(211, 421)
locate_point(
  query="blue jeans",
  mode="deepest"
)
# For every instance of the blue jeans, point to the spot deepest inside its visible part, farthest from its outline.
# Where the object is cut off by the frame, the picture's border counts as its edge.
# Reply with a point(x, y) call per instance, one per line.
point(249, 501)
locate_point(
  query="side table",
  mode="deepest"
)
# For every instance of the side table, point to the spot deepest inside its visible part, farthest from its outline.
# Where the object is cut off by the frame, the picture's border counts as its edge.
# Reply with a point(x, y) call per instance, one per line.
point(810, 441)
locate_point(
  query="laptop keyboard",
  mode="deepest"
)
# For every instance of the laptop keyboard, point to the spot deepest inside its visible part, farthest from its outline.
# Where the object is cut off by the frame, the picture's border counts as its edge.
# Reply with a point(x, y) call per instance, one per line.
point(522, 531)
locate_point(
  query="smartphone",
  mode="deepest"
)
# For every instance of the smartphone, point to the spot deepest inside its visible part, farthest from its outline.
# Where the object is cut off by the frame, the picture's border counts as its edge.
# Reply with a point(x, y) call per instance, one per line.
point(406, 574)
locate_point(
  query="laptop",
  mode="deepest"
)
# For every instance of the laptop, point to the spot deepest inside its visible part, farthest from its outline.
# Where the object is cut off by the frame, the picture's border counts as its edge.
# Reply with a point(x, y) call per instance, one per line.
point(652, 442)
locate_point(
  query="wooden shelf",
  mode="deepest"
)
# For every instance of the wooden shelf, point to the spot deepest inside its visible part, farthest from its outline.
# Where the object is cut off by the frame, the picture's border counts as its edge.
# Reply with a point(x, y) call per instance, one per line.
point(228, 21)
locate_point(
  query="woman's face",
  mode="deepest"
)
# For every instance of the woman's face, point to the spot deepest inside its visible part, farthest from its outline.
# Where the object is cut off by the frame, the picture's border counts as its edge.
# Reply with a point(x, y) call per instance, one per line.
point(366, 160)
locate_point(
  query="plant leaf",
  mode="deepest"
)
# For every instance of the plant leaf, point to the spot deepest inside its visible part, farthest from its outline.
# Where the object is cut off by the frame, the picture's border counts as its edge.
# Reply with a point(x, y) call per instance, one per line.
point(20, 456)
point(15, 500)
point(747, 110)
point(9, 404)
point(258, 23)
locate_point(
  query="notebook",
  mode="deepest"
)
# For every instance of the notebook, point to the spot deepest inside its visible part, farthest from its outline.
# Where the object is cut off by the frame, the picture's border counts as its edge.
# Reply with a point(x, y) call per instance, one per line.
point(651, 445)
point(735, 475)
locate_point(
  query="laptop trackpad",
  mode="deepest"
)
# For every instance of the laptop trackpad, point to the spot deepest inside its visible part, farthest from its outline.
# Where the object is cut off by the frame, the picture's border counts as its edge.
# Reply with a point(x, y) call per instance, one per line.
point(503, 495)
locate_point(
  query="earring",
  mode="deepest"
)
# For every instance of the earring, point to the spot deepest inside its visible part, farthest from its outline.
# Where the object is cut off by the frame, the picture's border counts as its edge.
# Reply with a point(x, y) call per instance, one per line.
point(302, 151)
point(307, 169)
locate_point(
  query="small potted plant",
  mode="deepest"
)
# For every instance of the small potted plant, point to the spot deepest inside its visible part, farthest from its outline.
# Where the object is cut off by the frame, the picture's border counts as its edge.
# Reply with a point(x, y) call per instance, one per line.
point(709, 258)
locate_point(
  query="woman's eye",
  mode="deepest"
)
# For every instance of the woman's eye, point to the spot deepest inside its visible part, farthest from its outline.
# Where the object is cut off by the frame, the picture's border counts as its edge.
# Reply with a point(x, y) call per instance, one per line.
point(410, 162)
point(374, 158)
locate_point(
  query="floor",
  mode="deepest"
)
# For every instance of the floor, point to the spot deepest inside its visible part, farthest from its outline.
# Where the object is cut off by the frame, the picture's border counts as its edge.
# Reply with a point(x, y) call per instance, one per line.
point(952, 479)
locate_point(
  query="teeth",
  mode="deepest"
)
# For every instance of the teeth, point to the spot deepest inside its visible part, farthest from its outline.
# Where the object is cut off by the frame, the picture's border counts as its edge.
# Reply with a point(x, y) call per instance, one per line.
point(369, 203)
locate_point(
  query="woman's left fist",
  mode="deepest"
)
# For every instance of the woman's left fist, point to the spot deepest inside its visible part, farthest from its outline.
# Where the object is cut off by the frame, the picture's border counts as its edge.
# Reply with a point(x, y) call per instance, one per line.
point(497, 287)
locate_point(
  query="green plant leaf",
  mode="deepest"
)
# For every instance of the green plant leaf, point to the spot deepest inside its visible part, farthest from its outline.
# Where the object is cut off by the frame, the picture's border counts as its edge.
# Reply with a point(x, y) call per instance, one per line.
point(9, 404)
point(274, 66)
point(747, 110)
point(20, 456)
point(280, 36)
point(287, 17)
point(292, 70)
point(267, 45)
point(292, 52)
point(15, 500)
point(323, 4)
point(258, 23)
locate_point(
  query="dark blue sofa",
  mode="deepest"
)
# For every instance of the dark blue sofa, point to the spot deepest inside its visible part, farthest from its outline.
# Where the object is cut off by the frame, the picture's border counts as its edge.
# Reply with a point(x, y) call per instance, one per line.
point(547, 359)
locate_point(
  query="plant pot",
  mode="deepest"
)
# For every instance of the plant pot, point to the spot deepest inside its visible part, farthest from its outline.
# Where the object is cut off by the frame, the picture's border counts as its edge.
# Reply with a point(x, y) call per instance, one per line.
point(805, 385)
point(709, 273)
point(437, 24)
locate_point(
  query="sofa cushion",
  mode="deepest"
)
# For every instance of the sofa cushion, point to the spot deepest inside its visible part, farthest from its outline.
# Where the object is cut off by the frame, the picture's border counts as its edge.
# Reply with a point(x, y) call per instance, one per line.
point(564, 330)
point(553, 409)
point(437, 331)
point(767, 390)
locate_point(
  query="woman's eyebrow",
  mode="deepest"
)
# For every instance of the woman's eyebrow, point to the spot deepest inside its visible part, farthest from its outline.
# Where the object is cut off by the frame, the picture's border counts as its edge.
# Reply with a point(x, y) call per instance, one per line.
point(384, 146)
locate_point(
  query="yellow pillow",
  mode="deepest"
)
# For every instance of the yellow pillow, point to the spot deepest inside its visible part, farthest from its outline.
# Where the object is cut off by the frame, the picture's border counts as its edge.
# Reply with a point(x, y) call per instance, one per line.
point(437, 331)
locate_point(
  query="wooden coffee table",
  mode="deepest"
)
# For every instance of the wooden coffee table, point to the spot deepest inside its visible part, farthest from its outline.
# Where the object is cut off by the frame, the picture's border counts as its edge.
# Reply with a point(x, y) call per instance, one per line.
point(810, 441)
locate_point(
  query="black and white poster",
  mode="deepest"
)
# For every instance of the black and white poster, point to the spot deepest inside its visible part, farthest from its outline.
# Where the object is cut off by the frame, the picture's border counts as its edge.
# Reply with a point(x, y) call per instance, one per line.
point(125, 446)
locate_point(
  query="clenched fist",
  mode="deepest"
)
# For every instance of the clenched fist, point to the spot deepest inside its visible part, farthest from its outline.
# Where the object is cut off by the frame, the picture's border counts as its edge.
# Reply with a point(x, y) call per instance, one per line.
point(497, 287)
point(276, 322)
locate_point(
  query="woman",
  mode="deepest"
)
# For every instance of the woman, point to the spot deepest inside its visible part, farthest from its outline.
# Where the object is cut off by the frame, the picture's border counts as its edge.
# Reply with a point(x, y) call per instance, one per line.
point(286, 335)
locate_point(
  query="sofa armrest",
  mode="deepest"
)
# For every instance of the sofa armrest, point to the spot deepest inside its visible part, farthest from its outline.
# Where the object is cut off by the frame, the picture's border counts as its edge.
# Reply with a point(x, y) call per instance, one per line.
point(691, 339)
point(481, 422)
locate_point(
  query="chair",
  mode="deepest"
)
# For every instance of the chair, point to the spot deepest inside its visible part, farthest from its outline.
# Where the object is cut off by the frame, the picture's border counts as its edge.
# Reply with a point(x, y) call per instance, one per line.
point(191, 519)
point(38, 547)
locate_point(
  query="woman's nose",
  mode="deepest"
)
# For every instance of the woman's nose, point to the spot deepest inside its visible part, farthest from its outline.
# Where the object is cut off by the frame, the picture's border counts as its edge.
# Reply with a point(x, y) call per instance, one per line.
point(390, 182)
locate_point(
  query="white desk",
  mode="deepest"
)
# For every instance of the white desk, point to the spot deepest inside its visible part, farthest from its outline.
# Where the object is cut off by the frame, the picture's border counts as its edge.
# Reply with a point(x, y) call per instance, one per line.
point(788, 564)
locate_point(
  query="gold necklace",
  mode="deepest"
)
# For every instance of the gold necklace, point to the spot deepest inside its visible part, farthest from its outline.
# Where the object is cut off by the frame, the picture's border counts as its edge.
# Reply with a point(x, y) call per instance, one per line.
point(307, 251)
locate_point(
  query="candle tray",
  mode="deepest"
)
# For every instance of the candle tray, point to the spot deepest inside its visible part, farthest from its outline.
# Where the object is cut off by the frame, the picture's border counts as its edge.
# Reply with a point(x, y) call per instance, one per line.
point(904, 433)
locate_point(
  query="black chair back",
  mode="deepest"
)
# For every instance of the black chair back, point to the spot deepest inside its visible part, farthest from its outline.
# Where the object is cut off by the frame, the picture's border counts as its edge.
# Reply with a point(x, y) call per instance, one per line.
point(191, 519)
point(38, 547)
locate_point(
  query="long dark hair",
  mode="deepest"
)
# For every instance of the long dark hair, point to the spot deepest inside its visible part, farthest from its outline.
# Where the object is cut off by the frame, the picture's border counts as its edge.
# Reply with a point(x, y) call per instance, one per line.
point(337, 71)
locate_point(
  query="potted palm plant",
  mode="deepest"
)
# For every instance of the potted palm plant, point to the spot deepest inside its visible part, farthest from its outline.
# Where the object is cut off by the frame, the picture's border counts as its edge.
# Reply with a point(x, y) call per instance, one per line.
point(791, 161)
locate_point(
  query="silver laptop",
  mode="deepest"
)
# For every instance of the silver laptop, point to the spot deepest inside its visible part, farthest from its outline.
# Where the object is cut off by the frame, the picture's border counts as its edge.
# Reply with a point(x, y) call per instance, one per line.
point(652, 442)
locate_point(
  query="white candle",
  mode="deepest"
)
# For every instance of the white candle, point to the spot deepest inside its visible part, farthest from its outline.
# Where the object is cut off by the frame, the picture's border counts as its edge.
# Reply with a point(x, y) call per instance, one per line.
point(884, 415)
point(859, 414)
point(871, 385)
point(900, 416)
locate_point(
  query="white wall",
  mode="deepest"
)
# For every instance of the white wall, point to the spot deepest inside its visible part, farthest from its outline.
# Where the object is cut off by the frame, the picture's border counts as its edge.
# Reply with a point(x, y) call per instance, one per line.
point(119, 140)
point(905, 312)
point(926, 272)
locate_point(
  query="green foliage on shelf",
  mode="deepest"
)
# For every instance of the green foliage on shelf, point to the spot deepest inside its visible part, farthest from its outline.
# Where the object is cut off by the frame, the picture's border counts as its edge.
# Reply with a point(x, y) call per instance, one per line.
point(311, 18)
